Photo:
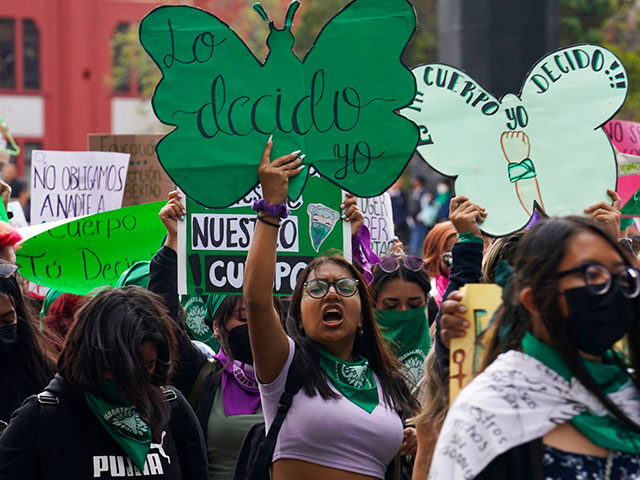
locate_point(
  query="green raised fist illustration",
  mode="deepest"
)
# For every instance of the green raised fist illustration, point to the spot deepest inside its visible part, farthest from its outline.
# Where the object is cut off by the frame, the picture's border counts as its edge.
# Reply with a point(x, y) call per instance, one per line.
point(338, 105)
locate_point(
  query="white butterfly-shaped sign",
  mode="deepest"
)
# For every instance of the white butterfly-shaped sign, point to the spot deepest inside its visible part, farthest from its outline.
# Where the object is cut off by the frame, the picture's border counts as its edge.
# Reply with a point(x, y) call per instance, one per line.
point(544, 147)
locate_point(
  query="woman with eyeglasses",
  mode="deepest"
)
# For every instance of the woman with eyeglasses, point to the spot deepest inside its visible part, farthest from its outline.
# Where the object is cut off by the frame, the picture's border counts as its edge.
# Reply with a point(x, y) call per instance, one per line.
point(108, 413)
point(343, 424)
point(27, 358)
point(556, 401)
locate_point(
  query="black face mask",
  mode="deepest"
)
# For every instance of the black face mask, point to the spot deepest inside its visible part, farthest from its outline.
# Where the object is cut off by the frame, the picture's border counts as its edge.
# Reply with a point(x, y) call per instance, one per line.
point(596, 322)
point(8, 337)
point(239, 345)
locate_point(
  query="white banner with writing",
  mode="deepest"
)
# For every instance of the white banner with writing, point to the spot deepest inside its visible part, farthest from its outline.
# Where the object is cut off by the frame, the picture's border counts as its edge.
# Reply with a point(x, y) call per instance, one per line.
point(73, 184)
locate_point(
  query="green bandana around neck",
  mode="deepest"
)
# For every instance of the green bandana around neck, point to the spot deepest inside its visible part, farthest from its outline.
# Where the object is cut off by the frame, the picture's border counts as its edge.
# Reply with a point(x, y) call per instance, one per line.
point(605, 431)
point(122, 421)
point(407, 334)
point(354, 380)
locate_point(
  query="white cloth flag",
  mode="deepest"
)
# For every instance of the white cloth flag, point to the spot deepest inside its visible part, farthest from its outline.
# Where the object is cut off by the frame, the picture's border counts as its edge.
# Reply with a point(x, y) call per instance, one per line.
point(515, 400)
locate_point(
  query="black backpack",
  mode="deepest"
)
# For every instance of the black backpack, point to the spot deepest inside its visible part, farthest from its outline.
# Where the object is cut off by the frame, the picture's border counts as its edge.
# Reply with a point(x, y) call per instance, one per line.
point(256, 452)
point(49, 402)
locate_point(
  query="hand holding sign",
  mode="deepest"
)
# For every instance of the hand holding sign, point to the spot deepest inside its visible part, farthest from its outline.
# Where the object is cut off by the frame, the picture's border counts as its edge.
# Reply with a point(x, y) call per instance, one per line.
point(337, 105)
point(543, 147)
point(275, 176)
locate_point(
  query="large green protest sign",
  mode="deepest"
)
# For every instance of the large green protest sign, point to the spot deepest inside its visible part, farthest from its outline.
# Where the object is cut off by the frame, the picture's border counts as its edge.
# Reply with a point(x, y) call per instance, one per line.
point(337, 106)
point(93, 251)
point(542, 148)
point(213, 243)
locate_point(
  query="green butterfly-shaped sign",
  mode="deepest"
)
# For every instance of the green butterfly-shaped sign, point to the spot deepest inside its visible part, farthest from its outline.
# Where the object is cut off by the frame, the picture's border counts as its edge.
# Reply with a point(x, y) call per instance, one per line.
point(338, 105)
point(543, 148)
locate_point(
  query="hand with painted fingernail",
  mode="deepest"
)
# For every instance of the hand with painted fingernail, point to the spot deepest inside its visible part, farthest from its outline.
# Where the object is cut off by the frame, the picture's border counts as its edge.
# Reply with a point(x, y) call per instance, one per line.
point(274, 175)
point(351, 213)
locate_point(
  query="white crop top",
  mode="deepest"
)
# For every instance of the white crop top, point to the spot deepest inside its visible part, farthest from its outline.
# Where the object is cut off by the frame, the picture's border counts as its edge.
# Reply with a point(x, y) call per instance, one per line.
point(335, 432)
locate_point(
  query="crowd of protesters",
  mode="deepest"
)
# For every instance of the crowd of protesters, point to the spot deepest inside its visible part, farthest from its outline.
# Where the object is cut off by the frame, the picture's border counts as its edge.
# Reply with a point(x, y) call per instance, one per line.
point(348, 378)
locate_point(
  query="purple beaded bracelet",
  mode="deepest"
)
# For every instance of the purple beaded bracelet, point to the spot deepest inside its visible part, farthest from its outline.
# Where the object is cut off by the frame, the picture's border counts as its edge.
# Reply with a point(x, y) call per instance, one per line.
point(276, 211)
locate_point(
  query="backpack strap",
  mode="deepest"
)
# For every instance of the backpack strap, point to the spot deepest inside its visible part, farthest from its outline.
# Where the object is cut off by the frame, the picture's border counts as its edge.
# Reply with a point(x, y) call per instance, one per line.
point(208, 367)
point(293, 385)
point(47, 427)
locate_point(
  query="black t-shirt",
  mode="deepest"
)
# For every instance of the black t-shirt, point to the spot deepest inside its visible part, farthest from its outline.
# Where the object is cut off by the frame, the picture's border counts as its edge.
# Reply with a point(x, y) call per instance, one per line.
point(81, 448)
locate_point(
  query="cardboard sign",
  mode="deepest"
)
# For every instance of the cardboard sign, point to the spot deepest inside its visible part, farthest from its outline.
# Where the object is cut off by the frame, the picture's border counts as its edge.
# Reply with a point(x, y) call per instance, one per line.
point(213, 243)
point(624, 135)
point(80, 255)
point(543, 147)
point(337, 106)
point(73, 184)
point(468, 352)
point(378, 217)
point(146, 180)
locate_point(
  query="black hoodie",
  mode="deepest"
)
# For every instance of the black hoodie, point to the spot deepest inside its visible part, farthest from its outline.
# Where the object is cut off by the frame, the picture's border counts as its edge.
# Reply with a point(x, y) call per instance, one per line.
point(81, 448)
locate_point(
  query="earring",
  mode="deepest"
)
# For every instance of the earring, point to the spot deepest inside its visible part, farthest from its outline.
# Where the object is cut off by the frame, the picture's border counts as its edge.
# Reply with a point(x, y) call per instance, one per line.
point(360, 331)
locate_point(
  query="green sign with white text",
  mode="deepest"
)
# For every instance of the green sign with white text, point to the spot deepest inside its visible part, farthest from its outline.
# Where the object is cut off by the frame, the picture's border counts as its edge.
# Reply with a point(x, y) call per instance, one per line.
point(217, 240)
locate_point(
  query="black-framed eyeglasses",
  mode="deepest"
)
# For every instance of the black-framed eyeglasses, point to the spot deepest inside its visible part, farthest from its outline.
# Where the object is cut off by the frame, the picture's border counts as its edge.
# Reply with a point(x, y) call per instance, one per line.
point(7, 270)
point(391, 263)
point(319, 287)
point(598, 279)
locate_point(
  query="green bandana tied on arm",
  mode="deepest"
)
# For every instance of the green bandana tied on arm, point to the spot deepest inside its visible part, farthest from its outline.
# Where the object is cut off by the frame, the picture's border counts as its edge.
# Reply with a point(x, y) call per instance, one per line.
point(521, 171)
point(604, 430)
point(407, 334)
point(122, 421)
point(353, 380)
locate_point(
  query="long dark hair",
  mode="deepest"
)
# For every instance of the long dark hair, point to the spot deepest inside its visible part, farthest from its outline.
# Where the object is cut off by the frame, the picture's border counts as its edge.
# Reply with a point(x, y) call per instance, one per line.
point(540, 252)
point(369, 345)
point(34, 354)
point(105, 340)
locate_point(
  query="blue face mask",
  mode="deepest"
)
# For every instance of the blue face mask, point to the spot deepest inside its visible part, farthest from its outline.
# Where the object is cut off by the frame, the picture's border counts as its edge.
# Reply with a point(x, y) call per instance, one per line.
point(596, 322)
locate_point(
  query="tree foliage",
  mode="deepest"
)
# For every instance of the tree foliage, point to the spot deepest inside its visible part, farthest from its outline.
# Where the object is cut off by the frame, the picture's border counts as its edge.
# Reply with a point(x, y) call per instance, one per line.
point(614, 24)
point(132, 64)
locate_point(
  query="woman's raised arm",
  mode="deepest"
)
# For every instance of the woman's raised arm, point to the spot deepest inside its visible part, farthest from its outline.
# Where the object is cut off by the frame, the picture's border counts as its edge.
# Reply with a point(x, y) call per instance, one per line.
point(268, 339)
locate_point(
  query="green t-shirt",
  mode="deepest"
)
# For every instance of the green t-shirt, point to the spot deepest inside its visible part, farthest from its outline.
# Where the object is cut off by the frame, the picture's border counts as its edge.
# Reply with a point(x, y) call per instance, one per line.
point(224, 438)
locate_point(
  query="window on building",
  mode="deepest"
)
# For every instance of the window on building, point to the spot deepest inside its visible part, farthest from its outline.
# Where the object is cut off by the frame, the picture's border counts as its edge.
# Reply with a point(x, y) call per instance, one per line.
point(121, 60)
point(7, 53)
point(31, 54)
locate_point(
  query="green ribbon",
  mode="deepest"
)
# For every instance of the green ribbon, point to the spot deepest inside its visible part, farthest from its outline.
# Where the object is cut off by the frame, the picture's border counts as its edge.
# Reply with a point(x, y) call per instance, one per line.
point(122, 421)
point(354, 380)
point(522, 170)
point(605, 431)
point(407, 334)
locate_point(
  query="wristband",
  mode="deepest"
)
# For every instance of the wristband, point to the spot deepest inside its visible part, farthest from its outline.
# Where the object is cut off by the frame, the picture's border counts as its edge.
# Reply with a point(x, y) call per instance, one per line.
point(267, 222)
point(468, 237)
point(276, 211)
